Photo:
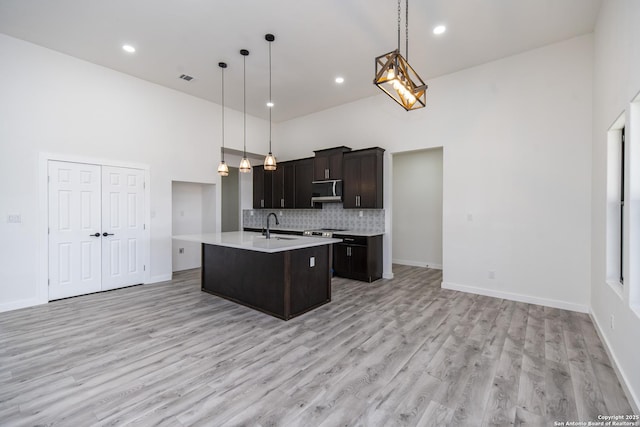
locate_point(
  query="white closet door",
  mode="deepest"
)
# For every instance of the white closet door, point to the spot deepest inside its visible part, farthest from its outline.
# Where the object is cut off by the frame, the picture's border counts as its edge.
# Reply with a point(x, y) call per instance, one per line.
point(74, 221)
point(122, 227)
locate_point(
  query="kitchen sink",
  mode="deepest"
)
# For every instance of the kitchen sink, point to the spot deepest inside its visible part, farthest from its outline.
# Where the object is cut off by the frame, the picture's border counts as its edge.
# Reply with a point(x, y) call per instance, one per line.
point(284, 238)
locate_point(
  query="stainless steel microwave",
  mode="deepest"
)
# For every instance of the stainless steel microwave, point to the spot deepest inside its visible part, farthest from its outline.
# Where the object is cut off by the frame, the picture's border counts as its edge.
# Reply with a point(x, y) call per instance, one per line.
point(326, 191)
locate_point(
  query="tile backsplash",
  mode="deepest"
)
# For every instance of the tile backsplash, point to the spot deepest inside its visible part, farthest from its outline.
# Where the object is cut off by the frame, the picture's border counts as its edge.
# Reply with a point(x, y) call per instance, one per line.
point(332, 215)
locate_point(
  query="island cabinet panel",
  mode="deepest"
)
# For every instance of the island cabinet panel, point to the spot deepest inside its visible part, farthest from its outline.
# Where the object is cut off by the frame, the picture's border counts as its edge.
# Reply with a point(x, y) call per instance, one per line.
point(282, 284)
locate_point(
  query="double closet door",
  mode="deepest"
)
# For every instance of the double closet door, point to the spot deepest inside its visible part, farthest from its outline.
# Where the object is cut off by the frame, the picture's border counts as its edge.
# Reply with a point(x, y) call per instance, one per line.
point(96, 228)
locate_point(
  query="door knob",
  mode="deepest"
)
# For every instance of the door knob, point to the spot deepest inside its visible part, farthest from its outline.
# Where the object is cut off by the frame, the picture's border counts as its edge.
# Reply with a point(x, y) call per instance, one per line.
point(107, 234)
point(94, 235)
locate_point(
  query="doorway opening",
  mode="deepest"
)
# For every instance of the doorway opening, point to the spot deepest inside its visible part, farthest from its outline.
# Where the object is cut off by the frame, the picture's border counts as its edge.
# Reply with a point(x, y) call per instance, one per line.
point(193, 212)
point(417, 208)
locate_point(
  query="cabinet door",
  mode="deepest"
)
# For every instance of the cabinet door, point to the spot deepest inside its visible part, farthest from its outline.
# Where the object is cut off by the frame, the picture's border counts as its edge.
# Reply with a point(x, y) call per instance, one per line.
point(341, 260)
point(303, 179)
point(258, 187)
point(335, 164)
point(351, 181)
point(321, 167)
point(368, 183)
point(278, 187)
point(359, 262)
point(268, 189)
point(289, 185)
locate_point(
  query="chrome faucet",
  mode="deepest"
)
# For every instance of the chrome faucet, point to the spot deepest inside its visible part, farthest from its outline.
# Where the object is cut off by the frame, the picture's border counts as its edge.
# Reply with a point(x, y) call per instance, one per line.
point(268, 235)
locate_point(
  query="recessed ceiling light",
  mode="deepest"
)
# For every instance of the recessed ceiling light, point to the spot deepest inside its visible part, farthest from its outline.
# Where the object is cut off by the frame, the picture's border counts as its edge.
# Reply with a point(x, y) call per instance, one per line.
point(339, 80)
point(128, 48)
point(269, 104)
point(439, 29)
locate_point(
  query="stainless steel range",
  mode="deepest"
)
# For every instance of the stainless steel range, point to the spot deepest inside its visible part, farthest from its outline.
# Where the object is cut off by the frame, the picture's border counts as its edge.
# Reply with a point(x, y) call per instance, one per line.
point(322, 232)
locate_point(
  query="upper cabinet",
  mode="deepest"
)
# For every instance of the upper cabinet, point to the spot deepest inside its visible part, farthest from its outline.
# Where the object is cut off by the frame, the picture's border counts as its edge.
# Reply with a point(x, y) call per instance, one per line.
point(362, 180)
point(284, 185)
point(262, 188)
point(303, 177)
point(327, 164)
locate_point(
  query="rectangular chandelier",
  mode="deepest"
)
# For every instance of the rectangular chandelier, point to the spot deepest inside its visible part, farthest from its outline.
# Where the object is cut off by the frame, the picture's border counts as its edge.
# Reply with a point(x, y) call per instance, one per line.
point(395, 77)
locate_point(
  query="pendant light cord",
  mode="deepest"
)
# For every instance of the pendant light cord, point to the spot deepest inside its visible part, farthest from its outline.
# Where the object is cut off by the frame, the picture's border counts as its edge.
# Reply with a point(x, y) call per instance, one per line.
point(270, 99)
point(399, 26)
point(406, 26)
point(223, 114)
point(244, 89)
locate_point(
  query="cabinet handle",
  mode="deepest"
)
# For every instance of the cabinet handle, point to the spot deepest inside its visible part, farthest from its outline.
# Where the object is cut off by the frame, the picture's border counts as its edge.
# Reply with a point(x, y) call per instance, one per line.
point(282, 203)
point(326, 173)
point(262, 203)
point(107, 234)
point(94, 235)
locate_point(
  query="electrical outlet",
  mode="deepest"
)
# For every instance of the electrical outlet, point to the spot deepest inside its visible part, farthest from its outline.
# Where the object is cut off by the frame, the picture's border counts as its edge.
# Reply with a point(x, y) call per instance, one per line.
point(181, 250)
point(612, 324)
point(469, 217)
point(312, 261)
point(280, 213)
point(492, 274)
point(360, 213)
point(250, 213)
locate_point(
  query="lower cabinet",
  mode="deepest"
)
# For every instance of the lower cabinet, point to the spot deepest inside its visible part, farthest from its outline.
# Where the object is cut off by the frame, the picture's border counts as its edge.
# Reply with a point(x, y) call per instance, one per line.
point(358, 257)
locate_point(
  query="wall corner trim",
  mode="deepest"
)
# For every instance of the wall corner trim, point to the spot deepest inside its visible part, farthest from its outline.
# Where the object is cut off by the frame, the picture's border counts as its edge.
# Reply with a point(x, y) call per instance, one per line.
point(516, 297)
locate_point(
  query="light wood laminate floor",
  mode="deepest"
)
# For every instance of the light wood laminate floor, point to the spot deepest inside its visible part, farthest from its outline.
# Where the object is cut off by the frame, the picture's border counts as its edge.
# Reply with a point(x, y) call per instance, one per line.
point(390, 353)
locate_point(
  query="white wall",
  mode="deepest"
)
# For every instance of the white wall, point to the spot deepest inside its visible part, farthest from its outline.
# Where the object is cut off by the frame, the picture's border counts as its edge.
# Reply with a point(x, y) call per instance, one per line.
point(417, 208)
point(54, 103)
point(192, 206)
point(616, 84)
point(517, 159)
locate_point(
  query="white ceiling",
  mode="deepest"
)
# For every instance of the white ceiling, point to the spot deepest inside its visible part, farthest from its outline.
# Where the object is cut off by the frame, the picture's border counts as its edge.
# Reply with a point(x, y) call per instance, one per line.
point(315, 41)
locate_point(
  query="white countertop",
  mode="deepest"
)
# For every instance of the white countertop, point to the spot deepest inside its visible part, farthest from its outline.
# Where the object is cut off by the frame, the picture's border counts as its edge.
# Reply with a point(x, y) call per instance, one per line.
point(365, 233)
point(253, 241)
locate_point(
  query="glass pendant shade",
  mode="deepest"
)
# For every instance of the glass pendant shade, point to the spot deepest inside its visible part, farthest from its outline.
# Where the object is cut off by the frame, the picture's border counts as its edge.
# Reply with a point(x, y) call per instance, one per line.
point(223, 169)
point(396, 78)
point(245, 166)
point(270, 162)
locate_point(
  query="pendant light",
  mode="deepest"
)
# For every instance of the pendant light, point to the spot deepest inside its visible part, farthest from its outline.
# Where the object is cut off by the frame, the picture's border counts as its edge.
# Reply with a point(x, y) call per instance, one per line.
point(223, 169)
point(270, 161)
point(245, 166)
point(396, 78)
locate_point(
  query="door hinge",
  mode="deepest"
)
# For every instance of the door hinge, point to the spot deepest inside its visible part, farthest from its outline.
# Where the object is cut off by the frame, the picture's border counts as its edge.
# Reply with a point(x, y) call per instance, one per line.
point(48, 178)
point(48, 230)
point(144, 268)
point(144, 226)
point(144, 184)
point(48, 282)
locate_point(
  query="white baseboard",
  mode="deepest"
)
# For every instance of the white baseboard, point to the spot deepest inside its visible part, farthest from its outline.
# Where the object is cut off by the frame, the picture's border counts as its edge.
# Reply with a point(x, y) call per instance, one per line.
point(160, 278)
point(413, 263)
point(23, 303)
point(517, 297)
point(634, 401)
point(387, 275)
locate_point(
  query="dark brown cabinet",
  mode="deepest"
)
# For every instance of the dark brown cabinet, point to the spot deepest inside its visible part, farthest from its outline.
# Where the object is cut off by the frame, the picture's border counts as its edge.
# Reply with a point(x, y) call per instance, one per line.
point(327, 164)
point(358, 257)
point(303, 172)
point(284, 185)
point(362, 180)
point(262, 188)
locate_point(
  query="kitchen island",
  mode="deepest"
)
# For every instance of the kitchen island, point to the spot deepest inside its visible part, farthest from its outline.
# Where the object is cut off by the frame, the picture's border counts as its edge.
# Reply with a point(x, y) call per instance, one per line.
point(284, 276)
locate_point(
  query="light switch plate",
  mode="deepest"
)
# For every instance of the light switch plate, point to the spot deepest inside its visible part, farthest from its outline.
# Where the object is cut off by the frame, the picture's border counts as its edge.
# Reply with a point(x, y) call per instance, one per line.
point(14, 218)
point(312, 261)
